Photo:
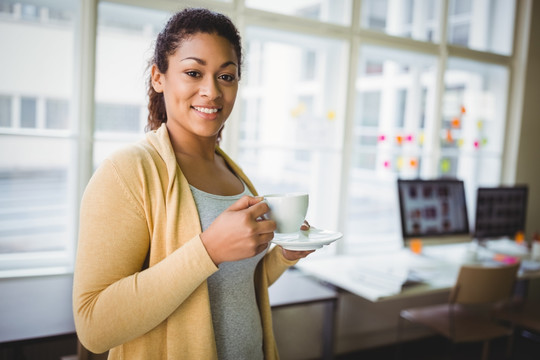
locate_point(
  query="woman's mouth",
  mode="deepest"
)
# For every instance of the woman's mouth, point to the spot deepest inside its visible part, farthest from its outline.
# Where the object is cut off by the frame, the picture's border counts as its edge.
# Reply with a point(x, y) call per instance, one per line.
point(206, 110)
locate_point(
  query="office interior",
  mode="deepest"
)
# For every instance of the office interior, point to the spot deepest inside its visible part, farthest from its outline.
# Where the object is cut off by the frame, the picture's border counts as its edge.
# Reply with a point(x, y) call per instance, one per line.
point(36, 320)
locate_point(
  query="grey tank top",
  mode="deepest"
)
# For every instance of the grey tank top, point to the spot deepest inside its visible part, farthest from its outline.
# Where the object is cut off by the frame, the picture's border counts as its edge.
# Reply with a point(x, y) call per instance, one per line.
point(235, 315)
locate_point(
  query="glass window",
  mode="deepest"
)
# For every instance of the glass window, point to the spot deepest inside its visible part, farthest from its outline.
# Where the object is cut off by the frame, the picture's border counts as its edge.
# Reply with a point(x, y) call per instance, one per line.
point(332, 11)
point(369, 105)
point(57, 114)
point(124, 47)
point(5, 111)
point(482, 25)
point(30, 12)
point(472, 129)
point(118, 118)
point(34, 207)
point(36, 211)
point(28, 112)
point(417, 19)
point(391, 113)
point(291, 111)
point(291, 124)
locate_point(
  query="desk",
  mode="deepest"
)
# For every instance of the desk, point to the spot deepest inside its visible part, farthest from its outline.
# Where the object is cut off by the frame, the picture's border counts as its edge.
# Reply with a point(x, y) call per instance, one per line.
point(380, 277)
point(294, 288)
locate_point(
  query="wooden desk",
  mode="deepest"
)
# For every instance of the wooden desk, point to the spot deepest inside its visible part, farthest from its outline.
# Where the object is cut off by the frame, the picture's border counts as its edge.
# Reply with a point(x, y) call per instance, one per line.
point(294, 288)
point(365, 276)
point(380, 277)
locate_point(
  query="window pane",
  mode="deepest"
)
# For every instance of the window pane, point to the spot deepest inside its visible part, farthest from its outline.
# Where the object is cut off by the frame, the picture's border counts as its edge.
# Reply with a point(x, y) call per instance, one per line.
point(332, 11)
point(393, 111)
point(417, 19)
point(34, 212)
point(28, 112)
point(472, 132)
point(57, 114)
point(291, 124)
point(5, 111)
point(482, 25)
point(118, 118)
point(37, 85)
point(124, 46)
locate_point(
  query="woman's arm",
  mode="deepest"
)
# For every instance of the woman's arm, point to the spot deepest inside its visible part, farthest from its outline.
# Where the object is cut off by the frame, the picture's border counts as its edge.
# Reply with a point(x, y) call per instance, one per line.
point(114, 300)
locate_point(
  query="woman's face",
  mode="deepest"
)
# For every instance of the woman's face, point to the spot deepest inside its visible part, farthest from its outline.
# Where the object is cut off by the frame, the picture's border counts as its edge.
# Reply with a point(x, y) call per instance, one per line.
point(200, 85)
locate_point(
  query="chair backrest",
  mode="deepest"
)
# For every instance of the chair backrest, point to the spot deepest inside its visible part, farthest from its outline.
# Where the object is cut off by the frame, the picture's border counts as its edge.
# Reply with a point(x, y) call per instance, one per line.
point(477, 284)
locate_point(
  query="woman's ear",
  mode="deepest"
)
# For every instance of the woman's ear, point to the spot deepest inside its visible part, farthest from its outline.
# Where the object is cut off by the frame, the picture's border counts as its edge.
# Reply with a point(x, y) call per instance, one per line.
point(157, 79)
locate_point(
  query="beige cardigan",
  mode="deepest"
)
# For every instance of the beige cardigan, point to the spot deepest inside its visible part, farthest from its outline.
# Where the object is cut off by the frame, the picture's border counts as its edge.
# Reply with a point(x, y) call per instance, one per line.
point(140, 276)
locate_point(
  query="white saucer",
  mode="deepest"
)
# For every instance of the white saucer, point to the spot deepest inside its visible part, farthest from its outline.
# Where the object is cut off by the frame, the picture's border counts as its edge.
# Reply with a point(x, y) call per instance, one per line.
point(306, 240)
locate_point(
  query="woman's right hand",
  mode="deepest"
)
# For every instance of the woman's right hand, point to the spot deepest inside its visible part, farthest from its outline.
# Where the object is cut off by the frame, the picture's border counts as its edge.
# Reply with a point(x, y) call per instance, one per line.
point(239, 232)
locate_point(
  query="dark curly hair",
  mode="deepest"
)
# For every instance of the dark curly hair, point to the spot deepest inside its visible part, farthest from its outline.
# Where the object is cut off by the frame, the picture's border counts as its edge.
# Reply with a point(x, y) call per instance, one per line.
point(180, 27)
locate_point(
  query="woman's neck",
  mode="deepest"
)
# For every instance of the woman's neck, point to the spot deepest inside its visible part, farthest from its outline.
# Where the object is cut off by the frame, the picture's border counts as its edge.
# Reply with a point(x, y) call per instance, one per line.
point(188, 145)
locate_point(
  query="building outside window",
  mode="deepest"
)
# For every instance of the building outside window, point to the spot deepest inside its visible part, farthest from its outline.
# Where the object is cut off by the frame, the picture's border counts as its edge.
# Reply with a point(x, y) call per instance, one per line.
point(37, 214)
point(296, 104)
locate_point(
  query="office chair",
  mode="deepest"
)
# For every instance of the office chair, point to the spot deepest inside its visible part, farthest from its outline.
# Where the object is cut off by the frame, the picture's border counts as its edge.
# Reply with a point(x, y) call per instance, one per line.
point(523, 316)
point(467, 315)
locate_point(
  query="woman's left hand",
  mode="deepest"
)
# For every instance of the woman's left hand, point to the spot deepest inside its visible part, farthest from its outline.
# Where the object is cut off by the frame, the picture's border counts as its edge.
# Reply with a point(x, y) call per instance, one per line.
point(296, 255)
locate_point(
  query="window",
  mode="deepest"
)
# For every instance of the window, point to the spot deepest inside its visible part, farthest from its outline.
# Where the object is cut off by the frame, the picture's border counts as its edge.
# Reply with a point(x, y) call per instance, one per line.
point(332, 11)
point(417, 19)
point(341, 110)
point(482, 25)
point(124, 46)
point(473, 119)
point(390, 111)
point(57, 115)
point(5, 111)
point(37, 213)
point(293, 115)
point(28, 112)
point(118, 118)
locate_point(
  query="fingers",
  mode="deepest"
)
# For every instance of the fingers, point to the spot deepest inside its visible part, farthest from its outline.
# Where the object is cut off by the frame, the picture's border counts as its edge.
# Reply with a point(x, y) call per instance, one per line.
point(295, 255)
point(254, 204)
point(305, 226)
point(245, 202)
point(261, 248)
point(258, 212)
point(259, 209)
point(265, 236)
point(303, 254)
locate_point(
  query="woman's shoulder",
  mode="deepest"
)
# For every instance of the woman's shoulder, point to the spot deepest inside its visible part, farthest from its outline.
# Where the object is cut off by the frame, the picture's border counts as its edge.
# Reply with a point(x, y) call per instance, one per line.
point(139, 153)
point(135, 161)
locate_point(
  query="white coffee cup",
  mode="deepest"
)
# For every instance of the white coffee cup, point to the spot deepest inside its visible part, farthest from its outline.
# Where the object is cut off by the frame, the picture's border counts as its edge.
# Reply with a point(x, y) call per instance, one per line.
point(287, 210)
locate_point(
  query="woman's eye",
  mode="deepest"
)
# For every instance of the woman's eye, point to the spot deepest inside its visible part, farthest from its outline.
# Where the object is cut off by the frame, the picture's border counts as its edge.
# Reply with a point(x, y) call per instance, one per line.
point(192, 73)
point(227, 77)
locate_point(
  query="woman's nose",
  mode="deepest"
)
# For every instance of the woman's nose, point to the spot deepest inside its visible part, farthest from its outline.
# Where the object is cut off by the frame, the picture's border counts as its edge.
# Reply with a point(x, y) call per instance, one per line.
point(210, 88)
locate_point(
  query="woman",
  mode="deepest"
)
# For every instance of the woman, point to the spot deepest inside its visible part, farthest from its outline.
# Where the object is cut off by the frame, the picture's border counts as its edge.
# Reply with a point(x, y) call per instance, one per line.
point(173, 259)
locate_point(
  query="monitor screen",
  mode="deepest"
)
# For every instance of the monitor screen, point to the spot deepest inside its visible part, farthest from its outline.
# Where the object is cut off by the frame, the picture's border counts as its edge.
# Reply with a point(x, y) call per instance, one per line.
point(500, 211)
point(433, 208)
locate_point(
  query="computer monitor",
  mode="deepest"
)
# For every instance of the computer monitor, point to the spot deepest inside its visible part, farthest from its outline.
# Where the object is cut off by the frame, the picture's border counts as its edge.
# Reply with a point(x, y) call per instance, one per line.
point(500, 211)
point(433, 210)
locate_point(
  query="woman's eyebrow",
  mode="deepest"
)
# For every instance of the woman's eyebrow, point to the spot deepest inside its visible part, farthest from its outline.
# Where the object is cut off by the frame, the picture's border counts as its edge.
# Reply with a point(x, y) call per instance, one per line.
point(203, 62)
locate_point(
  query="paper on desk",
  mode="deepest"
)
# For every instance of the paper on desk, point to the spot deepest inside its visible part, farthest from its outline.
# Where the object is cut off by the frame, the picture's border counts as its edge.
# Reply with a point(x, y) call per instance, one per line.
point(530, 265)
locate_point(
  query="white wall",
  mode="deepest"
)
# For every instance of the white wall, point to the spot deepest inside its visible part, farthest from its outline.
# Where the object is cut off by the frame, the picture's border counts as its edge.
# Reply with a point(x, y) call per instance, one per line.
point(29, 309)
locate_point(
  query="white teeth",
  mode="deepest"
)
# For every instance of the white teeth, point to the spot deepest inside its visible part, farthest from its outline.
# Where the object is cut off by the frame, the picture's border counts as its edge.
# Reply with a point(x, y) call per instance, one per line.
point(206, 110)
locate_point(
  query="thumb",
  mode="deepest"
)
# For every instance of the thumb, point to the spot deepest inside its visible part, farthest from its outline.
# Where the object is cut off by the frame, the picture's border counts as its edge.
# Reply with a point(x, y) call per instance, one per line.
point(245, 202)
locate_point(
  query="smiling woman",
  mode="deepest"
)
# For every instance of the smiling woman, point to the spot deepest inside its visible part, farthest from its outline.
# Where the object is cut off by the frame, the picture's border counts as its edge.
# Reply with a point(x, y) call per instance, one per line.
point(190, 228)
point(199, 86)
